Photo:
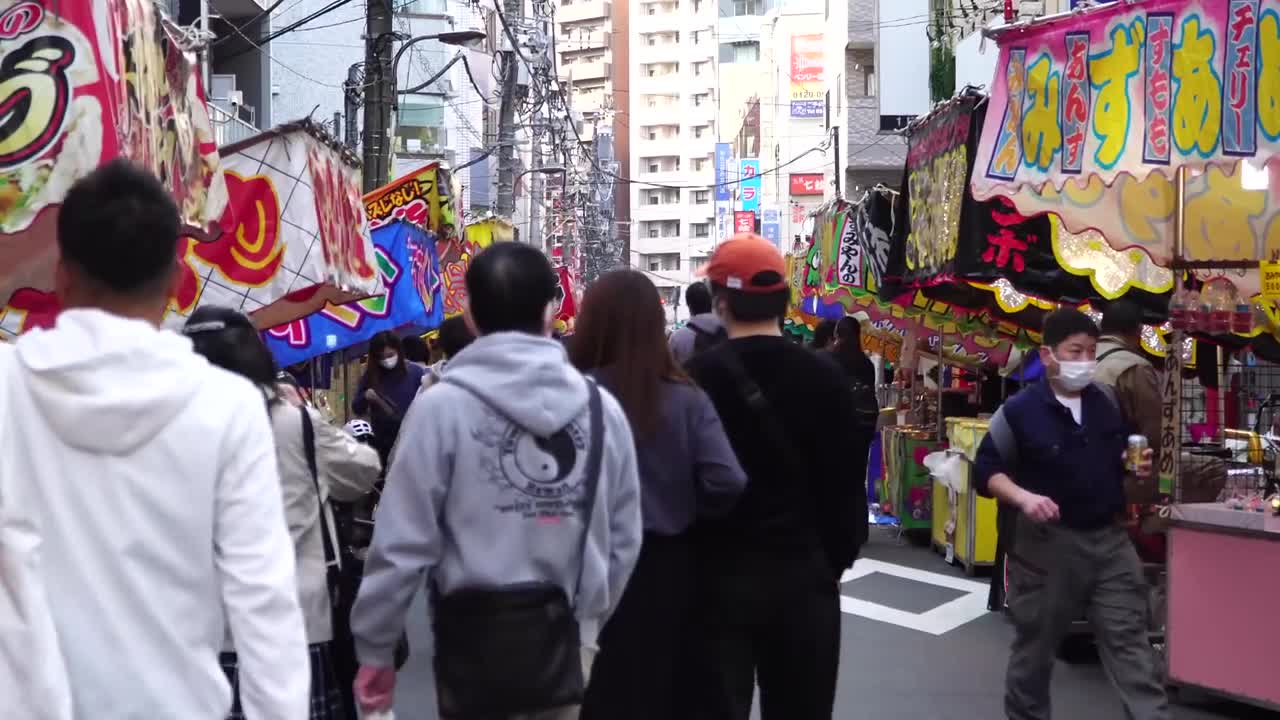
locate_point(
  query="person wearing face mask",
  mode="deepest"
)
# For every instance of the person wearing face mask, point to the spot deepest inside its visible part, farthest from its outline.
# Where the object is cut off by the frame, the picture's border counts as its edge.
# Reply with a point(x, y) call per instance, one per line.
point(1055, 451)
point(388, 386)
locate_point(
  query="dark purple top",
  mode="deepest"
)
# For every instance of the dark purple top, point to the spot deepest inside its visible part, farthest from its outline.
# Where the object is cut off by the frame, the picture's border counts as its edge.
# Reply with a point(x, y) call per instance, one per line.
point(687, 469)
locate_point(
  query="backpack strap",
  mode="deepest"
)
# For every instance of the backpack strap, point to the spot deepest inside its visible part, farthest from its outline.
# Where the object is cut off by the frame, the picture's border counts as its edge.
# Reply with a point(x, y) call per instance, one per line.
point(1115, 350)
point(1110, 393)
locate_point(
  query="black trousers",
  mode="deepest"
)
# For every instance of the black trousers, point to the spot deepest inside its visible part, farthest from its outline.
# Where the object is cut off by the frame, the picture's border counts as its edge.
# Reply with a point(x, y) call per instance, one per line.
point(770, 618)
point(644, 648)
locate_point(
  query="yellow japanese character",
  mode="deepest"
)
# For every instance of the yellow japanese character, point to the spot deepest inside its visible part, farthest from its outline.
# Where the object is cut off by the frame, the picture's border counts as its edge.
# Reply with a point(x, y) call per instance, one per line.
point(1219, 218)
point(1197, 104)
point(1269, 74)
point(1110, 72)
point(1041, 134)
point(1271, 247)
point(1146, 207)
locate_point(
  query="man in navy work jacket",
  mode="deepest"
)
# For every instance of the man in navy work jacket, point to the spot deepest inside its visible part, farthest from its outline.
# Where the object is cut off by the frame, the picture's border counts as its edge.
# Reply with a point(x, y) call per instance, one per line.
point(1058, 459)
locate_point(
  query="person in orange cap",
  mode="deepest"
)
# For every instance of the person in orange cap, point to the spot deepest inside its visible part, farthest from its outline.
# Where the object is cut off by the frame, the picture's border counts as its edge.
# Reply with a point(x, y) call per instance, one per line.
point(769, 600)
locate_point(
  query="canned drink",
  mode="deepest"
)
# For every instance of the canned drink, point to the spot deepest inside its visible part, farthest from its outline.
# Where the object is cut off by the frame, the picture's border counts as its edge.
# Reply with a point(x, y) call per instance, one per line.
point(1137, 447)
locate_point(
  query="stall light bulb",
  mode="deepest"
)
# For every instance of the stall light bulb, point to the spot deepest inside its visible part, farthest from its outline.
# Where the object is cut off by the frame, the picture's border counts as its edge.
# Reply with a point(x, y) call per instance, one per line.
point(1253, 177)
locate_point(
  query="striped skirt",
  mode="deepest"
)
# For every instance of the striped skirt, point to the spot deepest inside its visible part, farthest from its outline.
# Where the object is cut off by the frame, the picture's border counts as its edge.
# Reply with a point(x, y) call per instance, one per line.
point(326, 696)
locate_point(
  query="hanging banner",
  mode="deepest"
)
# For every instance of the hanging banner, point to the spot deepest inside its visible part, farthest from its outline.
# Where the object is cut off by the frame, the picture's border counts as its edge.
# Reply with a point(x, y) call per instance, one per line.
point(751, 185)
point(1131, 89)
point(808, 91)
point(293, 238)
point(426, 197)
point(724, 158)
point(82, 82)
point(409, 268)
point(744, 221)
point(567, 310)
point(873, 223)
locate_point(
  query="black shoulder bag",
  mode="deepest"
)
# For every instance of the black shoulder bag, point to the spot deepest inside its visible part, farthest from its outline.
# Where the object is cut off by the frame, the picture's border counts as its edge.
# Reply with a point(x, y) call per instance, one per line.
point(515, 649)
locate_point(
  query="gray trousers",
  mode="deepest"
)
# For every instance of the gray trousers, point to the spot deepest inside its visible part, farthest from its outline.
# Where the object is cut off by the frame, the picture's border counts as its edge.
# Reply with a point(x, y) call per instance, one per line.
point(1057, 574)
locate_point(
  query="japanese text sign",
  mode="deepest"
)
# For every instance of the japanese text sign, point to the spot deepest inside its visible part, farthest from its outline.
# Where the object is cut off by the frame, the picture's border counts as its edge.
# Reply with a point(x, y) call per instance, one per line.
point(723, 158)
point(751, 185)
point(807, 88)
point(1132, 88)
point(807, 183)
point(744, 221)
point(1271, 280)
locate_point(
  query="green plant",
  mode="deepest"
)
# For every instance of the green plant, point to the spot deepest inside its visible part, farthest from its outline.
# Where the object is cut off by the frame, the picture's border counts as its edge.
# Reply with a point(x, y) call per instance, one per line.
point(942, 73)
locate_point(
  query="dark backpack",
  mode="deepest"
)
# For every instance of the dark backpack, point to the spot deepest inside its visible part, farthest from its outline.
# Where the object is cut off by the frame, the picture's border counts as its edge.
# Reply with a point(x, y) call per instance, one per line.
point(703, 340)
point(866, 406)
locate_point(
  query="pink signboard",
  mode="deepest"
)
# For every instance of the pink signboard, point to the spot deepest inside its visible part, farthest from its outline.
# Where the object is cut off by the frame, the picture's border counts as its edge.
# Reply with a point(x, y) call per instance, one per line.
point(1131, 89)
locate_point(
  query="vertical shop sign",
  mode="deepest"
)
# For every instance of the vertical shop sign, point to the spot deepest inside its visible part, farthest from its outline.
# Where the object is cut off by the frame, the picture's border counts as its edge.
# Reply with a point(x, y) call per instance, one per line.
point(751, 185)
point(807, 91)
point(744, 221)
point(723, 158)
point(770, 227)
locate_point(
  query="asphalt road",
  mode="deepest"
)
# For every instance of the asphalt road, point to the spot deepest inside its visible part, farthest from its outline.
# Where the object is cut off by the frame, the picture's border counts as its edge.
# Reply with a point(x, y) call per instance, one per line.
point(916, 644)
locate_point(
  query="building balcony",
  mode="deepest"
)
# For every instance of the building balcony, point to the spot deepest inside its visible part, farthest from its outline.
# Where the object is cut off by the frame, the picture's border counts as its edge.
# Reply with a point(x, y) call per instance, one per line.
point(589, 10)
point(589, 102)
point(662, 177)
point(658, 22)
point(580, 40)
point(237, 8)
point(227, 128)
point(661, 211)
point(659, 53)
point(579, 71)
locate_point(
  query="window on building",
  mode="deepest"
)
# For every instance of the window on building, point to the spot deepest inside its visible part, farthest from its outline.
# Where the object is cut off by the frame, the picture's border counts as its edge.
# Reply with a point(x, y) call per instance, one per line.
point(737, 8)
point(662, 261)
point(869, 80)
point(651, 40)
point(420, 127)
point(701, 230)
point(700, 99)
point(699, 164)
point(699, 131)
point(651, 9)
point(653, 167)
point(740, 52)
point(424, 7)
point(697, 37)
point(697, 263)
point(701, 197)
point(697, 6)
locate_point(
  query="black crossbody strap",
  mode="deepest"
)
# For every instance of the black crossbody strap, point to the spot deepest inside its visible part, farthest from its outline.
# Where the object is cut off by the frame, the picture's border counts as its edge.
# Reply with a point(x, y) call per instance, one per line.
point(309, 448)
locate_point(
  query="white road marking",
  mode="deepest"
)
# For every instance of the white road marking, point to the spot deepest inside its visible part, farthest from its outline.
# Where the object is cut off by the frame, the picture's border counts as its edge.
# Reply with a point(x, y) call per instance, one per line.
point(938, 621)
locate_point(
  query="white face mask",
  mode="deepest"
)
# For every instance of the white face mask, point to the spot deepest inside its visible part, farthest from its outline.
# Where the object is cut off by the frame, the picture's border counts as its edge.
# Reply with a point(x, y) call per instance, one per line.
point(1075, 375)
point(389, 362)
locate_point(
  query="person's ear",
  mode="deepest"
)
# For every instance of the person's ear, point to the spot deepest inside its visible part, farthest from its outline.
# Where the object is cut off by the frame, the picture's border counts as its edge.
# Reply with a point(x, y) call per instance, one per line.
point(63, 282)
point(1046, 356)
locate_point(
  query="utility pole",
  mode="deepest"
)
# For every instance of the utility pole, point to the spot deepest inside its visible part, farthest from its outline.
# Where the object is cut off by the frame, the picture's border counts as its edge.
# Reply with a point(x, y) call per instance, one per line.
point(378, 93)
point(506, 207)
point(835, 145)
point(535, 191)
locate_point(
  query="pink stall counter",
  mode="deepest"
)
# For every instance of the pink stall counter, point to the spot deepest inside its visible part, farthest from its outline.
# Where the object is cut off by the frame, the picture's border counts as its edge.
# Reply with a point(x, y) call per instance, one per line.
point(1221, 636)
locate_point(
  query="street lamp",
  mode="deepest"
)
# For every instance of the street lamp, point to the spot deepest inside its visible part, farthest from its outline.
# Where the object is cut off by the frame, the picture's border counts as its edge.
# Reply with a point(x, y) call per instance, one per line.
point(546, 170)
point(460, 38)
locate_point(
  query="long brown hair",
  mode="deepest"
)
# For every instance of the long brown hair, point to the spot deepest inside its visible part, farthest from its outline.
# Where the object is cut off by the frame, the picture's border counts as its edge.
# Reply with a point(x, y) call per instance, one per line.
point(621, 329)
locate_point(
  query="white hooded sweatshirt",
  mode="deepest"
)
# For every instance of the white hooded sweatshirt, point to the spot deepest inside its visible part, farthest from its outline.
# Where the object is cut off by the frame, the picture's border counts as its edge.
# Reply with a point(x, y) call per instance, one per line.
point(153, 477)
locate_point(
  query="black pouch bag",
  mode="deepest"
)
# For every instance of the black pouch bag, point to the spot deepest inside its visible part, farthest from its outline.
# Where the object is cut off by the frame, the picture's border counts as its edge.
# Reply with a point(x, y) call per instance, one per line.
point(514, 649)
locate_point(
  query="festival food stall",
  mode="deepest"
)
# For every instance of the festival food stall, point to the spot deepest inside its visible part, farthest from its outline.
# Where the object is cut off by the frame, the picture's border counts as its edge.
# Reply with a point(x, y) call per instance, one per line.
point(1155, 125)
point(87, 82)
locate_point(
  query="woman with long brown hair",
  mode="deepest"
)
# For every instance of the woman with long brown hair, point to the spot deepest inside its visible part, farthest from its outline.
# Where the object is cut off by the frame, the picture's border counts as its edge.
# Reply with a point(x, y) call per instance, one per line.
point(687, 470)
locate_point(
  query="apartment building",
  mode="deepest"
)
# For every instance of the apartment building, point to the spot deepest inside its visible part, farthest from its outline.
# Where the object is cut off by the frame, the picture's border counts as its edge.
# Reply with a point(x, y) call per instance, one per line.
point(240, 88)
point(672, 121)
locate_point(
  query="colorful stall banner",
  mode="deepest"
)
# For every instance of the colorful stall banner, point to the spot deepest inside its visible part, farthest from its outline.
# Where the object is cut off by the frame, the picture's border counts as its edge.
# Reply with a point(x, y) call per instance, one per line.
point(805, 184)
point(808, 92)
point(751, 186)
point(744, 221)
point(723, 159)
point(873, 222)
point(409, 269)
point(426, 197)
point(293, 237)
point(82, 82)
point(769, 227)
point(1130, 89)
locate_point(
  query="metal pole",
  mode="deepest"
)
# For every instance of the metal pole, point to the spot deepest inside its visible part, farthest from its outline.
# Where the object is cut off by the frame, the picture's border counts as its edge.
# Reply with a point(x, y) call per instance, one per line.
point(942, 366)
point(204, 52)
point(535, 190)
point(380, 88)
point(835, 145)
point(506, 206)
point(346, 388)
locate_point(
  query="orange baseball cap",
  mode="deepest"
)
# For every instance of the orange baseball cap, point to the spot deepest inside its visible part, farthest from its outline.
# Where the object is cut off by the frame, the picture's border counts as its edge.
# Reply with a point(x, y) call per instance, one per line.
point(749, 263)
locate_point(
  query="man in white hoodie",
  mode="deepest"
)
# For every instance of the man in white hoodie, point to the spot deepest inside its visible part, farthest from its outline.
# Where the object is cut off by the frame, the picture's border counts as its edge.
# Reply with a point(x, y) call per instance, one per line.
point(153, 477)
point(494, 487)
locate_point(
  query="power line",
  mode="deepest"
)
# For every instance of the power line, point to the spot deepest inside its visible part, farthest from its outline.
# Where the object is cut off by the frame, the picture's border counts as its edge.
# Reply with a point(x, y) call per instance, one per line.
point(288, 29)
point(252, 21)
